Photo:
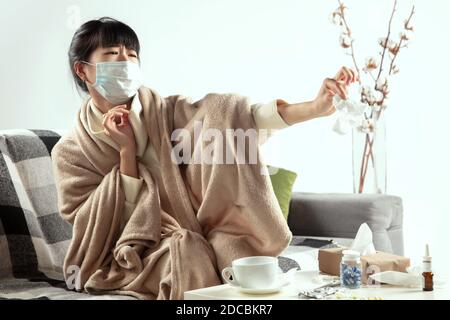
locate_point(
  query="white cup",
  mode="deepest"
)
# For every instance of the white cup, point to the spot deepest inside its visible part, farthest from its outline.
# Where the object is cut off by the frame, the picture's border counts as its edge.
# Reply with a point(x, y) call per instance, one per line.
point(257, 272)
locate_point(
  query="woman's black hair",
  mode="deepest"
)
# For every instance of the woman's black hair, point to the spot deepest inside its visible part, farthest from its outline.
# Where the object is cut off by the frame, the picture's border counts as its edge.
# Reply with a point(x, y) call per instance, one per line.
point(104, 32)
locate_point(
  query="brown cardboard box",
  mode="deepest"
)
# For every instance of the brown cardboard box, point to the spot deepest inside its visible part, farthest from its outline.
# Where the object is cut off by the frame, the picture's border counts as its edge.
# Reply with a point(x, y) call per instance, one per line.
point(330, 259)
point(382, 261)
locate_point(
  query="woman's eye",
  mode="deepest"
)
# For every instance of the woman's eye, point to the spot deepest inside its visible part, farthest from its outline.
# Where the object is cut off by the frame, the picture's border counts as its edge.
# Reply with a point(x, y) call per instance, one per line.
point(112, 52)
point(133, 55)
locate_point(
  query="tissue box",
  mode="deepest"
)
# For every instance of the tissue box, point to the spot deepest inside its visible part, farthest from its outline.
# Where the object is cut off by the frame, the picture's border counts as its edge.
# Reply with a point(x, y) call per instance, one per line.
point(330, 259)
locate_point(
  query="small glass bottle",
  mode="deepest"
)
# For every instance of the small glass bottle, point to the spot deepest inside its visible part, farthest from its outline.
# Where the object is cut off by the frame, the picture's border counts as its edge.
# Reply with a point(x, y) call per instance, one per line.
point(351, 269)
point(427, 274)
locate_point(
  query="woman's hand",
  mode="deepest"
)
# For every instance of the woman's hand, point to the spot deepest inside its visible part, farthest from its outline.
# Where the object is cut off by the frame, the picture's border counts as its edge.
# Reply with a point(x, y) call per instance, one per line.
point(117, 126)
point(322, 105)
point(331, 86)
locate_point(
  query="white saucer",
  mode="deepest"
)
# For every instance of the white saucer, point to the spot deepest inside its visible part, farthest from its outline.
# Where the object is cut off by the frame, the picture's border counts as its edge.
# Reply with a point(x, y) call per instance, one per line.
point(275, 288)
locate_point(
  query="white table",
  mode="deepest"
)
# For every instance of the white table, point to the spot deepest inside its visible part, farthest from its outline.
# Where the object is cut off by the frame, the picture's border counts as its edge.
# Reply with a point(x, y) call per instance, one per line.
point(226, 292)
point(307, 259)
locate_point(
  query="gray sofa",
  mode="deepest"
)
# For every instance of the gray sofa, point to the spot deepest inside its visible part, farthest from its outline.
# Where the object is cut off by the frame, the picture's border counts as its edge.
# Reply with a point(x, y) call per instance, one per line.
point(338, 216)
point(34, 238)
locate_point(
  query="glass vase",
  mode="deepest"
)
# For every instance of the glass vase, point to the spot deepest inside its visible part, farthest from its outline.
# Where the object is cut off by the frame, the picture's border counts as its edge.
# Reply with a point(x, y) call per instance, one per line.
point(369, 155)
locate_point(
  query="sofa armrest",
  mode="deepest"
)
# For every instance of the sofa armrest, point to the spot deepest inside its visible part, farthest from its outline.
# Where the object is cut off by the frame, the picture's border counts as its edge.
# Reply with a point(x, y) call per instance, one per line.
point(340, 215)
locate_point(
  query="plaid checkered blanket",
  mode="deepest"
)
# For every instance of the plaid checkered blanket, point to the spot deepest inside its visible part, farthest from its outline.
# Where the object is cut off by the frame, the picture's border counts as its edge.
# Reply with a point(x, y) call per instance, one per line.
point(33, 236)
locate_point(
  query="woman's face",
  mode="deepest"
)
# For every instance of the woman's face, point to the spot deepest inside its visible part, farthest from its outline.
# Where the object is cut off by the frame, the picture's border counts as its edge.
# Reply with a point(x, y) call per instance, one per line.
point(103, 54)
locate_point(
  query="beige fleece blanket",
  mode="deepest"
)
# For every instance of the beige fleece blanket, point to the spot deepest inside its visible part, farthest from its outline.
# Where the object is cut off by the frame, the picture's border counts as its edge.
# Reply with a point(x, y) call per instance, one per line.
point(214, 213)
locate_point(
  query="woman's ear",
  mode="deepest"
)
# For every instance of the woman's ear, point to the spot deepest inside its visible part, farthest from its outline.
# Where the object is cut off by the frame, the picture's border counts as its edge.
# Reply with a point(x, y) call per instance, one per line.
point(79, 70)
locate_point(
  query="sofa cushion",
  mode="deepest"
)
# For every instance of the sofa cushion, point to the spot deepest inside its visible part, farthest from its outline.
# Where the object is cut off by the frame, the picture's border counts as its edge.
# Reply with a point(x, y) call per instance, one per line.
point(282, 184)
point(33, 236)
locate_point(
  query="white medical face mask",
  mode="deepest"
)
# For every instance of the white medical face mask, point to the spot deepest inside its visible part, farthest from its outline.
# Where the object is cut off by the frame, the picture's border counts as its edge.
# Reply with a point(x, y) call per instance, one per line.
point(117, 81)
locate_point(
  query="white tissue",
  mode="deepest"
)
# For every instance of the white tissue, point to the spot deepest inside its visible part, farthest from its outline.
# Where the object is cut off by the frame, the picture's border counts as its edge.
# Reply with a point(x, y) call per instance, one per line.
point(397, 278)
point(349, 114)
point(412, 278)
point(363, 242)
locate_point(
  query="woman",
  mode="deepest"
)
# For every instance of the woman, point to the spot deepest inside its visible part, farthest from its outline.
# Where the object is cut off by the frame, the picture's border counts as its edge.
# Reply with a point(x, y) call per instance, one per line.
point(149, 221)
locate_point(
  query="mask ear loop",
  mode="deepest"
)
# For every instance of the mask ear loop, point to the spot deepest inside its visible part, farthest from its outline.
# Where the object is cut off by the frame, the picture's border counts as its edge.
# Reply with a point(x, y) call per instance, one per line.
point(91, 64)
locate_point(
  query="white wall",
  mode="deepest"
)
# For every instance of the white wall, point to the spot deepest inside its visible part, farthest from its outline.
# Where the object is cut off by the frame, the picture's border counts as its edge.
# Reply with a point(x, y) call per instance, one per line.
point(266, 50)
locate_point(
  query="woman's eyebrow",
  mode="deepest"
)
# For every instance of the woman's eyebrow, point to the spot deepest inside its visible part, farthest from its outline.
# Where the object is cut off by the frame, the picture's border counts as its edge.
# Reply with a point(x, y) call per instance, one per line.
point(117, 47)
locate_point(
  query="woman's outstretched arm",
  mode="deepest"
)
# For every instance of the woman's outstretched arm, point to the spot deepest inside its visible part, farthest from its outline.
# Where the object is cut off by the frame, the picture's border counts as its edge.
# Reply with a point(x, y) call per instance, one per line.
point(322, 105)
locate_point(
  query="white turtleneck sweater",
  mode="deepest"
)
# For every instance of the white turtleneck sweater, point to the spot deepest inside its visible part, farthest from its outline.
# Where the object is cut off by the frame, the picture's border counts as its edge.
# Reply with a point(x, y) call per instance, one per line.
point(265, 114)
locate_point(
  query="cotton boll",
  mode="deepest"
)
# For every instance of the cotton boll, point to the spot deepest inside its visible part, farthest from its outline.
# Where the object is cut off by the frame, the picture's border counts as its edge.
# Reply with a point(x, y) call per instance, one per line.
point(367, 126)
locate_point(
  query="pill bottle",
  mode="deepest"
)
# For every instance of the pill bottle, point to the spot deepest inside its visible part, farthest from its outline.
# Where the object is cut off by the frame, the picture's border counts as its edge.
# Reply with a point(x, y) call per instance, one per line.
point(351, 269)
